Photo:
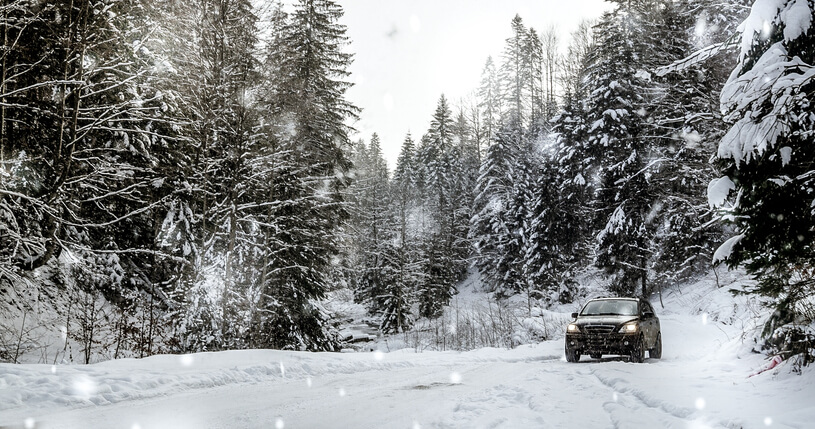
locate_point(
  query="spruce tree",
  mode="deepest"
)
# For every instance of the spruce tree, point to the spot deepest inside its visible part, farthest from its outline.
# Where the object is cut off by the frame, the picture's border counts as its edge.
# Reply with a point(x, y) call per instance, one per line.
point(615, 115)
point(490, 99)
point(493, 225)
point(307, 109)
point(766, 156)
point(514, 72)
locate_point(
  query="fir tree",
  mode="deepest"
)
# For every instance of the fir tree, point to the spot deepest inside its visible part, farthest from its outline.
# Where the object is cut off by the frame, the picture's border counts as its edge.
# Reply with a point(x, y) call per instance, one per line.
point(615, 115)
point(766, 156)
point(514, 73)
point(490, 99)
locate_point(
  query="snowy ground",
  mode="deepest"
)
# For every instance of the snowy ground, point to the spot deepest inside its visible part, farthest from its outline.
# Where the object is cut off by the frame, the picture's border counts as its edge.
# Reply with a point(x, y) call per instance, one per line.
point(701, 382)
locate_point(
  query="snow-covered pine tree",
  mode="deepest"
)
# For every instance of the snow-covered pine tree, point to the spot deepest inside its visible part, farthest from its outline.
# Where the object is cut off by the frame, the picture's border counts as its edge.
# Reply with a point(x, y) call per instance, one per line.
point(563, 211)
point(518, 214)
point(684, 121)
point(445, 257)
point(230, 252)
point(490, 99)
point(513, 73)
point(553, 239)
point(307, 112)
point(615, 117)
point(491, 227)
point(534, 73)
point(376, 228)
point(767, 155)
point(400, 293)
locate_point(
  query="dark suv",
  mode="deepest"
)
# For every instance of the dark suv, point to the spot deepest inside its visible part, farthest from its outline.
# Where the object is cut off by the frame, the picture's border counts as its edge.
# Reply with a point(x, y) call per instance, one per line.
point(618, 326)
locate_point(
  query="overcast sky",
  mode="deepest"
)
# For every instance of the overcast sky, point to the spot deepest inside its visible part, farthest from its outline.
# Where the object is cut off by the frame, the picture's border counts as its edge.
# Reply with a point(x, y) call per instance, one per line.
point(409, 52)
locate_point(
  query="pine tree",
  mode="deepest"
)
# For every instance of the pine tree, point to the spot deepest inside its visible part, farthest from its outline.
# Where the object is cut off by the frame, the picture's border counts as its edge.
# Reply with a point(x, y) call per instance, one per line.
point(399, 293)
point(493, 226)
point(534, 74)
point(684, 120)
point(307, 110)
point(616, 116)
point(766, 156)
point(490, 99)
point(443, 253)
point(514, 73)
point(376, 227)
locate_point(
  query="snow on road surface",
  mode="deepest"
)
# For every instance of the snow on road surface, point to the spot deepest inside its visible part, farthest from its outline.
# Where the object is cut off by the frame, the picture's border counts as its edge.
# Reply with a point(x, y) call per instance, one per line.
point(703, 381)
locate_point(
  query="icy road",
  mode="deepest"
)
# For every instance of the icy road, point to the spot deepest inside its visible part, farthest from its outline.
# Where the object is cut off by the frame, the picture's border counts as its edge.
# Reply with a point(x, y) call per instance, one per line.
point(702, 382)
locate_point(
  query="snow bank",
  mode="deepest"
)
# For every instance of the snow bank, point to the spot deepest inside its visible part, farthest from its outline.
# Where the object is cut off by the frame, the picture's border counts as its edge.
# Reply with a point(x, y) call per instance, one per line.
point(44, 386)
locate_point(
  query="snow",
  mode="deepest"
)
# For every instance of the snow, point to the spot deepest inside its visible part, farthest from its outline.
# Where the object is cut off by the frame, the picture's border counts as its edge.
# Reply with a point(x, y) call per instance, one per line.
point(797, 19)
point(726, 249)
point(701, 382)
point(761, 15)
point(776, 77)
point(718, 190)
point(748, 137)
point(786, 155)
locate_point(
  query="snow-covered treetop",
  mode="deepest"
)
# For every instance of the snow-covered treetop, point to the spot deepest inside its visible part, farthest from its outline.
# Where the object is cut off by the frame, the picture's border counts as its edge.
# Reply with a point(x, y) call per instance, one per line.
point(794, 15)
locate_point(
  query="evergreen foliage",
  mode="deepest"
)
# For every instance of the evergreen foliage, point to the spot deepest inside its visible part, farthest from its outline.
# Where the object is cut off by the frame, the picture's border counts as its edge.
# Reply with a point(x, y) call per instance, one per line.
point(766, 156)
point(181, 175)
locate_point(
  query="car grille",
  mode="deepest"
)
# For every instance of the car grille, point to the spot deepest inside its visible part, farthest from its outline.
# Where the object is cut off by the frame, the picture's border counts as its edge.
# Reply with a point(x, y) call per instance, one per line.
point(599, 329)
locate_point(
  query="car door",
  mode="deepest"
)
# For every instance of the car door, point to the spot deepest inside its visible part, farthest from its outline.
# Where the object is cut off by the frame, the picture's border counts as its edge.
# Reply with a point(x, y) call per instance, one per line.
point(650, 324)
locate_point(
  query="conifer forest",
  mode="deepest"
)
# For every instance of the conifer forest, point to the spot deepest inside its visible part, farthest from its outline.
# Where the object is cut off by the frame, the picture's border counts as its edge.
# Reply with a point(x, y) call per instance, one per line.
point(185, 176)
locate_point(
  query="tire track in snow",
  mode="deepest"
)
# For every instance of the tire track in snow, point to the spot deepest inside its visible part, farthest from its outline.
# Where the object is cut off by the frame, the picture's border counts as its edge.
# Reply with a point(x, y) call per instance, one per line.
point(625, 411)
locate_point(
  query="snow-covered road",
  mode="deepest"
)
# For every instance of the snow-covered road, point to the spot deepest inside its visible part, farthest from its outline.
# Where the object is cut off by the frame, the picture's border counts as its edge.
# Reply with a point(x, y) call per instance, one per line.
point(702, 382)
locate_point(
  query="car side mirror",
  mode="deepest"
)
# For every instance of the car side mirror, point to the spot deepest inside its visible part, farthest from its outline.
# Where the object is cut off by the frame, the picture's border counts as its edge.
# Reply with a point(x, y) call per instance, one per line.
point(574, 315)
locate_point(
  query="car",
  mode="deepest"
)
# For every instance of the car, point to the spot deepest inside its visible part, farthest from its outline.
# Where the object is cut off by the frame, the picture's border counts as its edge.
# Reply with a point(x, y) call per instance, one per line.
point(617, 326)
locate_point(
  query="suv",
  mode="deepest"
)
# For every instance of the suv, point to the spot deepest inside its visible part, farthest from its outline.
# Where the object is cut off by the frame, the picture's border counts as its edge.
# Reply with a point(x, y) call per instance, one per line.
point(620, 326)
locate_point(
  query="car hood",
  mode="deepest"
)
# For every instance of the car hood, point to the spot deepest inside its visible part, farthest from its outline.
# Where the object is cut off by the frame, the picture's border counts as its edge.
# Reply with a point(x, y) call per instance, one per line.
point(604, 320)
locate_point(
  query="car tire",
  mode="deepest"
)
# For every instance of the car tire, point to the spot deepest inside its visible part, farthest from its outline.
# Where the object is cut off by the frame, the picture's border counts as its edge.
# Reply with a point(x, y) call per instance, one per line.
point(656, 352)
point(572, 355)
point(638, 350)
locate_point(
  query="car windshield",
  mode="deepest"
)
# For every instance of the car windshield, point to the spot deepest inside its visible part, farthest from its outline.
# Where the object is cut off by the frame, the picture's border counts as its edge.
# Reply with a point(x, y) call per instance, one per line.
point(610, 307)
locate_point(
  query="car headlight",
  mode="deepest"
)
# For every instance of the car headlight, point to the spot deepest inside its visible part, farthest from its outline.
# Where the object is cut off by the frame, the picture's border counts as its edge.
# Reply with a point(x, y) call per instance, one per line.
point(572, 328)
point(629, 328)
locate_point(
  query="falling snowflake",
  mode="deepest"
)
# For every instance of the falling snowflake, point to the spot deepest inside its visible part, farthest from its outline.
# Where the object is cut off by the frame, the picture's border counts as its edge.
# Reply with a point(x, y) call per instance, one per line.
point(342, 392)
point(29, 423)
point(615, 396)
point(186, 360)
point(704, 318)
point(278, 424)
point(135, 426)
point(768, 421)
point(308, 381)
point(53, 369)
point(378, 355)
point(84, 387)
point(700, 403)
point(455, 378)
point(416, 425)
point(282, 370)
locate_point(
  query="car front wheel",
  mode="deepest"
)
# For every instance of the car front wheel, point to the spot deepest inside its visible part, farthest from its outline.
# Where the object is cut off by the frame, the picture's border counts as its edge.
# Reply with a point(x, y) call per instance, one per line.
point(638, 350)
point(656, 352)
point(572, 355)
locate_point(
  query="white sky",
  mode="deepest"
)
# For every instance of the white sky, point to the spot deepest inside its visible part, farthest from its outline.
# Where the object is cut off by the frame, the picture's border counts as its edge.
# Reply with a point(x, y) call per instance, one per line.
point(409, 52)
